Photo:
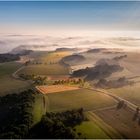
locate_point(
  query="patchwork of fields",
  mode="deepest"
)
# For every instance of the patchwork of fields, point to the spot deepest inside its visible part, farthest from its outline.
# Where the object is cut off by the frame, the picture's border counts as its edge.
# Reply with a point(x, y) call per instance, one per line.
point(104, 120)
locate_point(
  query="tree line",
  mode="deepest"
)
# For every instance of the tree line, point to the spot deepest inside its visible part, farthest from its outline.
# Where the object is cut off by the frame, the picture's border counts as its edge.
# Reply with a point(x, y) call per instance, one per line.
point(69, 81)
point(38, 80)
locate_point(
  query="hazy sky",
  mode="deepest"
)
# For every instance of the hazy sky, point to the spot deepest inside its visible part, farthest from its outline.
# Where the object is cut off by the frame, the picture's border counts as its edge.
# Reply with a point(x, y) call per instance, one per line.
point(41, 17)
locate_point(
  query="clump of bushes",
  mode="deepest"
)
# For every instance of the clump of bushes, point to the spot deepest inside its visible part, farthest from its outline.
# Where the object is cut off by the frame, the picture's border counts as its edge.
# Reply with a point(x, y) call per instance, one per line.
point(38, 80)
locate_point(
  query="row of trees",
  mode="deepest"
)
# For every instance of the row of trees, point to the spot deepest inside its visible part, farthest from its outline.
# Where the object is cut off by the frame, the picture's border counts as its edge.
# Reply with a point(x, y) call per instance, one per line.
point(121, 104)
point(69, 81)
point(38, 80)
point(39, 63)
point(6, 57)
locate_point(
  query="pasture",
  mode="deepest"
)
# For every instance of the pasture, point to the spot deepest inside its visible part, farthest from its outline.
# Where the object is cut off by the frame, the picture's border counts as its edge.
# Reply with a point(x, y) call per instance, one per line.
point(41, 69)
point(40, 107)
point(7, 83)
point(53, 57)
point(81, 98)
point(90, 130)
point(47, 64)
point(96, 128)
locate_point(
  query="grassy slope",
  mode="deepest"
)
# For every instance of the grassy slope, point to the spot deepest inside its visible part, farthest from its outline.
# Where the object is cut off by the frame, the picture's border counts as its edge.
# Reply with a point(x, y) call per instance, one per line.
point(110, 131)
point(53, 56)
point(96, 128)
point(85, 98)
point(7, 83)
point(8, 68)
point(40, 107)
point(47, 68)
point(90, 130)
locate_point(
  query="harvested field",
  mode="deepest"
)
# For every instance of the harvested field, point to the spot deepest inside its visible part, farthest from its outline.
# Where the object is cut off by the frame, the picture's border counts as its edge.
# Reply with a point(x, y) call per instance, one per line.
point(122, 121)
point(55, 88)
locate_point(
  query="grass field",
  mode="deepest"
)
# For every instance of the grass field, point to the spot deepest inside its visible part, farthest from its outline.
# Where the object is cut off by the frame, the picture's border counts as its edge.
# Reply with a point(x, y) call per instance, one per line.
point(53, 56)
point(130, 93)
point(40, 107)
point(85, 98)
point(90, 130)
point(122, 121)
point(41, 69)
point(8, 68)
point(96, 128)
point(7, 83)
point(107, 129)
point(50, 65)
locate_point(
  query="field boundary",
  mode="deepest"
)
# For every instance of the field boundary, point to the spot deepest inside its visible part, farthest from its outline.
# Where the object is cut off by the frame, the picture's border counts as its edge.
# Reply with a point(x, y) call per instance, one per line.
point(52, 89)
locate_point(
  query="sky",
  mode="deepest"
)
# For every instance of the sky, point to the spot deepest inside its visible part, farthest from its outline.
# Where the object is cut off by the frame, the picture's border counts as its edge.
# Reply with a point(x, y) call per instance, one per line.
point(45, 17)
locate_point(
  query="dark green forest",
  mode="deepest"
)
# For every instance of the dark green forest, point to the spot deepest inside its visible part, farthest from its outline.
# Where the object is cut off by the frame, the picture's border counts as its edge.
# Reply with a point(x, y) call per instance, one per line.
point(16, 119)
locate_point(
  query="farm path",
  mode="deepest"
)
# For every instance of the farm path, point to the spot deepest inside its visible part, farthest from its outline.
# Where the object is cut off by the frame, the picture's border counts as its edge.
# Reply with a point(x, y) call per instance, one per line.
point(102, 109)
point(15, 75)
point(117, 98)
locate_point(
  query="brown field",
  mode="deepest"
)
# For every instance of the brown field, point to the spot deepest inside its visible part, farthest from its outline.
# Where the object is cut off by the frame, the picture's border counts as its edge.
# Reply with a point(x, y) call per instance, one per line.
point(55, 88)
point(122, 121)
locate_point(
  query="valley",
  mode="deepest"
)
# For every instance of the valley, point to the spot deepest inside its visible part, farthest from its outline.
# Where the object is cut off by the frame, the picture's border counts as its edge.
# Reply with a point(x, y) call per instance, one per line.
point(61, 78)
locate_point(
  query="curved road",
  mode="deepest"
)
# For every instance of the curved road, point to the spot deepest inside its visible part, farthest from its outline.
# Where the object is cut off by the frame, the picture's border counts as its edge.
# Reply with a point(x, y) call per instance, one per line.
point(117, 98)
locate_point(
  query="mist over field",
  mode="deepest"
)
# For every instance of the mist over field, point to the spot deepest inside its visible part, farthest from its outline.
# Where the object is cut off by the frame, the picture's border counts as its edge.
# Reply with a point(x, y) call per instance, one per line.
point(127, 40)
point(69, 69)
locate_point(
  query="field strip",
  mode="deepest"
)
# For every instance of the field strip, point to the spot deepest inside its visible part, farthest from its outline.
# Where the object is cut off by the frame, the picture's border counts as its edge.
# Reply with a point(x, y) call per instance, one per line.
point(104, 108)
point(111, 132)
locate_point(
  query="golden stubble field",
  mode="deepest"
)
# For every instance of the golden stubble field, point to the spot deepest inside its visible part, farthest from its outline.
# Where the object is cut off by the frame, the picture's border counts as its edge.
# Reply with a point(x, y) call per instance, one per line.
point(55, 88)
